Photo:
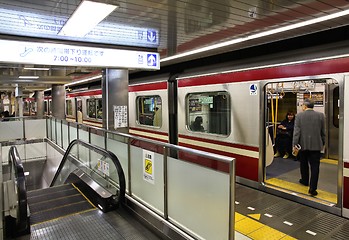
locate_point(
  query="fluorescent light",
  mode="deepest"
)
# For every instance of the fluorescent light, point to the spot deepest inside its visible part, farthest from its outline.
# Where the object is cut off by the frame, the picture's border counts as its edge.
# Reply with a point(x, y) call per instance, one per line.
point(38, 69)
point(28, 77)
point(259, 35)
point(83, 80)
point(85, 18)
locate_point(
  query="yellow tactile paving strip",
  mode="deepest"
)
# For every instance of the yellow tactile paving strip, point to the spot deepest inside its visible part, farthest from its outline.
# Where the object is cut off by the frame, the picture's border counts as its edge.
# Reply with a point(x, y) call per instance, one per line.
point(256, 230)
point(296, 187)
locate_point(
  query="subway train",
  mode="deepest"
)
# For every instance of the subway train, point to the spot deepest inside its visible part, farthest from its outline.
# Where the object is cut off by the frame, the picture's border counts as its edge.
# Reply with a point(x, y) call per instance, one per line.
point(234, 108)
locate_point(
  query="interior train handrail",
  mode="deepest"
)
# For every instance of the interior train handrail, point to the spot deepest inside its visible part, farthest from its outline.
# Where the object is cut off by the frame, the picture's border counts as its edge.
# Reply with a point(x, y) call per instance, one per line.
point(103, 152)
point(22, 211)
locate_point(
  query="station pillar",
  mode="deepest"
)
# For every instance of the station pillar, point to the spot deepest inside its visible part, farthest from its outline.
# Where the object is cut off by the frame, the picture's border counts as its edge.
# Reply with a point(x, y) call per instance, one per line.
point(39, 99)
point(115, 99)
point(58, 101)
point(19, 105)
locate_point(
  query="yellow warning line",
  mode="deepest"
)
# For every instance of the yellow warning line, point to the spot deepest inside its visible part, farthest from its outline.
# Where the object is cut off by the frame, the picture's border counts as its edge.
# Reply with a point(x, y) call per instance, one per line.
point(256, 230)
point(83, 195)
point(296, 187)
point(329, 161)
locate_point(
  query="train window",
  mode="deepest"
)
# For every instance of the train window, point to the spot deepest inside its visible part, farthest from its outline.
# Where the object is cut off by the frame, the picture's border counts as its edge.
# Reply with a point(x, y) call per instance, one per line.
point(208, 112)
point(335, 107)
point(94, 108)
point(99, 108)
point(91, 108)
point(69, 107)
point(149, 110)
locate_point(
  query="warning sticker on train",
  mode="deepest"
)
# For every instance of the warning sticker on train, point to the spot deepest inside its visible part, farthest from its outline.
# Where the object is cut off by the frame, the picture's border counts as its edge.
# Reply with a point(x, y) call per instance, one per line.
point(253, 89)
point(148, 166)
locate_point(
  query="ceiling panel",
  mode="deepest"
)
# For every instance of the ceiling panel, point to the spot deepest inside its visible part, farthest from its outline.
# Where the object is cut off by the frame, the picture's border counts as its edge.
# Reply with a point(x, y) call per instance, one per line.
point(185, 25)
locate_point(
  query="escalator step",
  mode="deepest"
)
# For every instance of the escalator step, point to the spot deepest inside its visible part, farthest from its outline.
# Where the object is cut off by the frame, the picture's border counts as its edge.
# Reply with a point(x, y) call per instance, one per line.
point(52, 195)
point(59, 212)
point(55, 203)
point(44, 191)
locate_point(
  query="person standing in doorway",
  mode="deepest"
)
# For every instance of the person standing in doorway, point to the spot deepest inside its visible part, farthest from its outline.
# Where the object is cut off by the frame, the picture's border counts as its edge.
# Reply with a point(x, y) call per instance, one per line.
point(309, 133)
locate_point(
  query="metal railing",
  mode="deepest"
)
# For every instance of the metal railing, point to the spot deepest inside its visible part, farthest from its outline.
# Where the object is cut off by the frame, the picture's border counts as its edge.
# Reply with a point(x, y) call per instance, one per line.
point(125, 147)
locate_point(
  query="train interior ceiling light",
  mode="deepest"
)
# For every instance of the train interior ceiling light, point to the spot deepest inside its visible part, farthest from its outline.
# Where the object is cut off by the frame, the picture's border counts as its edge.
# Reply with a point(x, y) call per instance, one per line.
point(88, 15)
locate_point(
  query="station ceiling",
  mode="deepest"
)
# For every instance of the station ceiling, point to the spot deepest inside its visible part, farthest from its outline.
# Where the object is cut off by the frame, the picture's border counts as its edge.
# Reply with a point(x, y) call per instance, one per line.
point(183, 26)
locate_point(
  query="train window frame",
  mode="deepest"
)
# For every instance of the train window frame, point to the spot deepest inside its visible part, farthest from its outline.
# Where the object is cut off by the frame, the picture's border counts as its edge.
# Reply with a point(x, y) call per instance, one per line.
point(194, 110)
point(153, 117)
point(97, 108)
point(69, 106)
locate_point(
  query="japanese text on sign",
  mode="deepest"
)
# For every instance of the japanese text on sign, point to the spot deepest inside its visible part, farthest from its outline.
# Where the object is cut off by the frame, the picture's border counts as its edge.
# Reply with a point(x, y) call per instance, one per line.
point(148, 166)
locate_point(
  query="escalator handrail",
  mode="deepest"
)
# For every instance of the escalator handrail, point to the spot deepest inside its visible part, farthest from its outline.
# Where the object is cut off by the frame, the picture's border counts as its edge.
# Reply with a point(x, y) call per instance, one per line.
point(22, 211)
point(103, 152)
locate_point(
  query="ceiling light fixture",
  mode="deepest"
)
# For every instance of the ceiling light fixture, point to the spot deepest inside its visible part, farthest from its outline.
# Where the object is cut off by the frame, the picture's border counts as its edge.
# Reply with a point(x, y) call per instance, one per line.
point(84, 80)
point(258, 35)
point(85, 18)
point(34, 68)
point(28, 77)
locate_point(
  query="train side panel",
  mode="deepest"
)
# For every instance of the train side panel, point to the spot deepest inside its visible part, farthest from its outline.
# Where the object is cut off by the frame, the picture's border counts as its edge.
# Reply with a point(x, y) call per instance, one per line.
point(140, 94)
point(242, 140)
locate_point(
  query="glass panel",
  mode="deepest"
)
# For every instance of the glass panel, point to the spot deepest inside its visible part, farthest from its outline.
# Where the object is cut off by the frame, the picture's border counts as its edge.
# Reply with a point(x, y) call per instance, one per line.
point(83, 135)
point(35, 151)
point(53, 124)
point(49, 128)
point(141, 187)
point(118, 146)
point(11, 130)
point(97, 140)
point(208, 112)
point(149, 110)
point(65, 135)
point(73, 132)
point(209, 206)
point(59, 132)
point(35, 128)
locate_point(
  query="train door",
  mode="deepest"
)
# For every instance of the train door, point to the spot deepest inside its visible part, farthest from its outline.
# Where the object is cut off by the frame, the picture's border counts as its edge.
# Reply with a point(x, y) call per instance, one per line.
point(78, 109)
point(282, 173)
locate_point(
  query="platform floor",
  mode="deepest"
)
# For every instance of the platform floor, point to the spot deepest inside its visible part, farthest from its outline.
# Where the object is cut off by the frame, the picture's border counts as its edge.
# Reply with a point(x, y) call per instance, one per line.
point(260, 215)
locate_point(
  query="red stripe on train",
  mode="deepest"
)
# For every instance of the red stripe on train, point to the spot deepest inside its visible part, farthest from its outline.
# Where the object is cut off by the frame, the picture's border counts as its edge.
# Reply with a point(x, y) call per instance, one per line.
point(86, 93)
point(346, 192)
point(346, 164)
point(148, 131)
point(295, 70)
point(148, 87)
point(227, 144)
point(246, 167)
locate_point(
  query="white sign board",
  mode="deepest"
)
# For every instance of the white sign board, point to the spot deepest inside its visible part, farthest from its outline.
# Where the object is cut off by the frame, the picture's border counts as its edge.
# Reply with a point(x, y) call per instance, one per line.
point(103, 167)
point(72, 55)
point(148, 166)
point(120, 116)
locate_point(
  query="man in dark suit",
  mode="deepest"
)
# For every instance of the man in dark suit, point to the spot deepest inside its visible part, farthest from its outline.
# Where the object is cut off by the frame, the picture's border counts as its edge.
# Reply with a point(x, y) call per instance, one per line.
point(309, 133)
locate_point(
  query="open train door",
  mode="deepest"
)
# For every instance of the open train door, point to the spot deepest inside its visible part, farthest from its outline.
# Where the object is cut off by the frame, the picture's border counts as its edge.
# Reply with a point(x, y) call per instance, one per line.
point(281, 174)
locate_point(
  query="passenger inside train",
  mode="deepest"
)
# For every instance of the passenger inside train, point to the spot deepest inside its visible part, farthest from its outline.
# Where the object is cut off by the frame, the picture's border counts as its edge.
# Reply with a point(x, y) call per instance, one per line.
point(283, 141)
point(197, 125)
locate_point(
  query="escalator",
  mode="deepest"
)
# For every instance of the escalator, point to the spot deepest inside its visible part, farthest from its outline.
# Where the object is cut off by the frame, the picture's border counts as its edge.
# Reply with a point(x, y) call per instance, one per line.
point(88, 179)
